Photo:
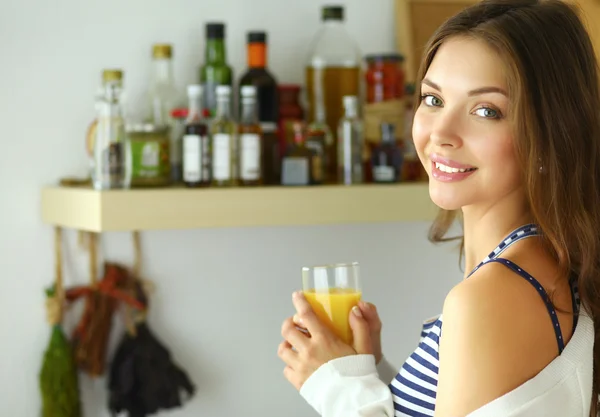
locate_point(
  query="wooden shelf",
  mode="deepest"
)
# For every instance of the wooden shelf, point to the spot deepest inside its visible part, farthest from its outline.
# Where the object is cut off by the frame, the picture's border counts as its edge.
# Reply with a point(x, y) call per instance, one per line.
point(180, 208)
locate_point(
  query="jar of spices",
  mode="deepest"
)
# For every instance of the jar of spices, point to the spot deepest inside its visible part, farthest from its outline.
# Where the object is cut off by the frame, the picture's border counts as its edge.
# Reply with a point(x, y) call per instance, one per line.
point(385, 80)
point(150, 155)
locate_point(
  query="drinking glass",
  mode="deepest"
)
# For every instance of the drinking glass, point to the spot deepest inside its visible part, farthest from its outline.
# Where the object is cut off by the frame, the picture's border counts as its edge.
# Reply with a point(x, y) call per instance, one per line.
point(332, 291)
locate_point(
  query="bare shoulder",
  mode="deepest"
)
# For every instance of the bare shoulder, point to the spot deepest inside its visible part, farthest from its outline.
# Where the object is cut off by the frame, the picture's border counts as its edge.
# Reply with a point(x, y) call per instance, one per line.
point(496, 335)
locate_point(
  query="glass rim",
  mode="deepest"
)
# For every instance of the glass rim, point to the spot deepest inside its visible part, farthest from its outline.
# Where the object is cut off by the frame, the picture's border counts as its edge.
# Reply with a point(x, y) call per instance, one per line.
point(331, 266)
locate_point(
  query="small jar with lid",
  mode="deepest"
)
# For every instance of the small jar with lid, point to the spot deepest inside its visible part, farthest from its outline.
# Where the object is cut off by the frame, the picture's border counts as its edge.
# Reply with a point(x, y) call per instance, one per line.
point(150, 155)
point(385, 77)
point(290, 111)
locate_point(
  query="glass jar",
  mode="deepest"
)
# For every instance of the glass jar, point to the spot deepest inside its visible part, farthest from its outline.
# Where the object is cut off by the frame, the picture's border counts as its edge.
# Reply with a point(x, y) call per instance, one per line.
point(385, 77)
point(290, 111)
point(150, 155)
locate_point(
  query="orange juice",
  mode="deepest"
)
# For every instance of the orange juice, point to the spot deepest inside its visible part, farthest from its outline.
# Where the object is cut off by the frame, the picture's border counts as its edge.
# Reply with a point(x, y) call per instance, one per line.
point(333, 307)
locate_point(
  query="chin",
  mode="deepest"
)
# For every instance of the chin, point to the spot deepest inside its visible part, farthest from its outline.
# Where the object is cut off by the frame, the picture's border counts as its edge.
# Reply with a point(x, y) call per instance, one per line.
point(445, 196)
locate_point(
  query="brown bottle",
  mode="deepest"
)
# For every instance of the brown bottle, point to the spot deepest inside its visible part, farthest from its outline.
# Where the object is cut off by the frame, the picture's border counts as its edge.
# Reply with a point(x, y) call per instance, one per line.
point(196, 144)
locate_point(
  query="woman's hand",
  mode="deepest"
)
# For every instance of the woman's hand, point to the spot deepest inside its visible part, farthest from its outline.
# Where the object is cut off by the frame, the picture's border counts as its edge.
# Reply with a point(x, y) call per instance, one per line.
point(369, 312)
point(320, 345)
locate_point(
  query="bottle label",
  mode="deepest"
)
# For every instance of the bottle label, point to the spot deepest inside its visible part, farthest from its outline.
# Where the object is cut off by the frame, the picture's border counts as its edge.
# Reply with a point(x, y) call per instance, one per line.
point(221, 156)
point(295, 171)
point(192, 157)
point(149, 159)
point(249, 156)
point(383, 173)
point(206, 158)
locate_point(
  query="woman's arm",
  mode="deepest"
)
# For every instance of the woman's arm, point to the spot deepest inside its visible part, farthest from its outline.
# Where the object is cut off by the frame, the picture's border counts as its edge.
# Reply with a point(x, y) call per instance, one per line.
point(349, 387)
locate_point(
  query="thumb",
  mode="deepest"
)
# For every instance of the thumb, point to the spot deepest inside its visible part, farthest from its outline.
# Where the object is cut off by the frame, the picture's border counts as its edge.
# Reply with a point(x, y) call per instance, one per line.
point(360, 332)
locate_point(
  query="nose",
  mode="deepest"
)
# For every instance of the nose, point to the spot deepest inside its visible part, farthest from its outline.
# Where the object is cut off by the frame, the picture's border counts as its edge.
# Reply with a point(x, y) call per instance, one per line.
point(444, 132)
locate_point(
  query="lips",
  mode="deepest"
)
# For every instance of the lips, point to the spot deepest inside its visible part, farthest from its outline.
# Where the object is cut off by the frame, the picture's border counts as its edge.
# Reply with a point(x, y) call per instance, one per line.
point(447, 170)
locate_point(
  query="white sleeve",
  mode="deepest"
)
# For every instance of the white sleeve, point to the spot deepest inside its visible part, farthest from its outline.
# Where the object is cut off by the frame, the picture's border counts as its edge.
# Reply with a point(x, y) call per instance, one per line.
point(348, 387)
point(387, 372)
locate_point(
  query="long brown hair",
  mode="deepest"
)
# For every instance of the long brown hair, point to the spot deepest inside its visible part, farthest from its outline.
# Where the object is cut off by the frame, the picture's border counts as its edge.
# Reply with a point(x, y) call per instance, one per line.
point(555, 105)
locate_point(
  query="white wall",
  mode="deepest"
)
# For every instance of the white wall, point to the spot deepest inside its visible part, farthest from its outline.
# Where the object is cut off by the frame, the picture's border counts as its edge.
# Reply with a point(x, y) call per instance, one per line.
point(222, 293)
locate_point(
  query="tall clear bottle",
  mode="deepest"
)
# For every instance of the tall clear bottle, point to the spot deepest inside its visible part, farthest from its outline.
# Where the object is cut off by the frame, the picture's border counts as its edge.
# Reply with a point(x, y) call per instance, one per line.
point(163, 97)
point(332, 71)
point(249, 139)
point(224, 134)
point(112, 155)
point(350, 144)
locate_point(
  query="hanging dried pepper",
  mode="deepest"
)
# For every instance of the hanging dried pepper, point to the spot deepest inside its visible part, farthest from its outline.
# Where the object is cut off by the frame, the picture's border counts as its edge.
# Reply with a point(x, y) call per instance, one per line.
point(90, 337)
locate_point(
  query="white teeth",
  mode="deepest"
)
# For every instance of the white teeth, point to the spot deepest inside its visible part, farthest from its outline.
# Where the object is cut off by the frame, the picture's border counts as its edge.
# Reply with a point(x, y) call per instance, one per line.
point(450, 170)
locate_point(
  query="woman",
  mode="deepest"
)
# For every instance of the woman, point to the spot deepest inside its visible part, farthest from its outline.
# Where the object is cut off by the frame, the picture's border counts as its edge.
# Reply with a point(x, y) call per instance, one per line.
point(508, 129)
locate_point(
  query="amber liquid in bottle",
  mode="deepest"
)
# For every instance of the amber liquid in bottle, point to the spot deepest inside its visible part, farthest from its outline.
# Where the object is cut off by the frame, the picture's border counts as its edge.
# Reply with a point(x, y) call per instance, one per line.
point(249, 146)
point(330, 85)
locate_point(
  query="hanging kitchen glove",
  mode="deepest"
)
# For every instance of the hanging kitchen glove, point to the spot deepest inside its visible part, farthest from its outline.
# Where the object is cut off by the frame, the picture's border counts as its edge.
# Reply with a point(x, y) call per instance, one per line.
point(58, 379)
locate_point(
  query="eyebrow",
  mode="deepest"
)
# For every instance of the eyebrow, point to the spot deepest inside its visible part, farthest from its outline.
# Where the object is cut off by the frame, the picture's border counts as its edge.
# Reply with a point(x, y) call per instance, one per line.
point(475, 92)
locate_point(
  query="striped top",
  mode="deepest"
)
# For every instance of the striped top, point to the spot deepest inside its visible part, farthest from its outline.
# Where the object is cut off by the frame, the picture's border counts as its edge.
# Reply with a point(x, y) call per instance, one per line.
point(414, 388)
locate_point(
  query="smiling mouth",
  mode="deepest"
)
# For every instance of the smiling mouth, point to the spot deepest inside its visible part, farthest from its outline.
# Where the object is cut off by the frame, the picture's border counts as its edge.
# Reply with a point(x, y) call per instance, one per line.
point(450, 170)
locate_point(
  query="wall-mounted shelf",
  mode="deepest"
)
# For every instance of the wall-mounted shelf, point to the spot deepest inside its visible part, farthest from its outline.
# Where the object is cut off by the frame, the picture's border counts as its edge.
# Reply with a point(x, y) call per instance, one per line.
point(180, 208)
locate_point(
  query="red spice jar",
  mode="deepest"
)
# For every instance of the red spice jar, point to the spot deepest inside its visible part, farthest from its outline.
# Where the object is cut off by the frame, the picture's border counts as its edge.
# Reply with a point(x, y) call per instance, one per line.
point(385, 77)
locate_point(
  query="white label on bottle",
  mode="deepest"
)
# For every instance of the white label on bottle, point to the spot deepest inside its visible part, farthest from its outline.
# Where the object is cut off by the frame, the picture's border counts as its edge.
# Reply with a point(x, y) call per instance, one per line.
point(192, 155)
point(383, 173)
point(206, 158)
point(294, 171)
point(221, 156)
point(249, 156)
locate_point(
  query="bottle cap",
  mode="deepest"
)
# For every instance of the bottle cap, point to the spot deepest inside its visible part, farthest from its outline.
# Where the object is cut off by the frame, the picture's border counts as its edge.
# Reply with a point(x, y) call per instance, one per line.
point(215, 30)
point(248, 91)
point(112, 75)
point(332, 13)
point(194, 90)
point(257, 37)
point(162, 51)
point(350, 101)
point(223, 90)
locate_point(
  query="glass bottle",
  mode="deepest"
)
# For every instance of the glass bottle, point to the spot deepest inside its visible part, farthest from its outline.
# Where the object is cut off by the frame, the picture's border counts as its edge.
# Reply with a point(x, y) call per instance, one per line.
point(223, 132)
point(196, 145)
point(386, 158)
point(332, 71)
point(350, 144)
point(249, 139)
point(163, 97)
point(320, 140)
point(298, 164)
point(267, 99)
point(215, 70)
point(112, 156)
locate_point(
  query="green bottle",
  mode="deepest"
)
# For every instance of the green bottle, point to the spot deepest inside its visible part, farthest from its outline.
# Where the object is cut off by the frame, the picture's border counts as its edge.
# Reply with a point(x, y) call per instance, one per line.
point(215, 70)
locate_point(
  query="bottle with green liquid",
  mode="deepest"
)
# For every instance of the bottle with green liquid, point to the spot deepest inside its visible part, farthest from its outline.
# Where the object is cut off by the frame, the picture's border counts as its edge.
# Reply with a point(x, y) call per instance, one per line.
point(215, 70)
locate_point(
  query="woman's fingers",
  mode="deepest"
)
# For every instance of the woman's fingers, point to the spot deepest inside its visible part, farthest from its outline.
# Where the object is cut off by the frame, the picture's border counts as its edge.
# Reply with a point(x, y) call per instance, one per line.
point(287, 355)
point(295, 337)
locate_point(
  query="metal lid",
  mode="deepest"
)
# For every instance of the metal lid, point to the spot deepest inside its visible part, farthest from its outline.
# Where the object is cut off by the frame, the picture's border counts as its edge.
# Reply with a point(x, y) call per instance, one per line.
point(162, 51)
point(215, 30)
point(332, 13)
point(257, 37)
point(390, 57)
point(112, 75)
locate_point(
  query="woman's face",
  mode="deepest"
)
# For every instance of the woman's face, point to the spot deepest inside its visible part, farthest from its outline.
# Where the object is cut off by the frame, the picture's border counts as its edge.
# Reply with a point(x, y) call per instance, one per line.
point(461, 130)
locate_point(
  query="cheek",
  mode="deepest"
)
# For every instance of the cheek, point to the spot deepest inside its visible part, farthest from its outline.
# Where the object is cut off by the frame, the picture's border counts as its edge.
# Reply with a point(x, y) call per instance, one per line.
point(421, 131)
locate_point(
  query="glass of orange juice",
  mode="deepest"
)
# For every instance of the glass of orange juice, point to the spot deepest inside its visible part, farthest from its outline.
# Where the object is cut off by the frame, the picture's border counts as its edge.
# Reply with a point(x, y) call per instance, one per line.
point(332, 291)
